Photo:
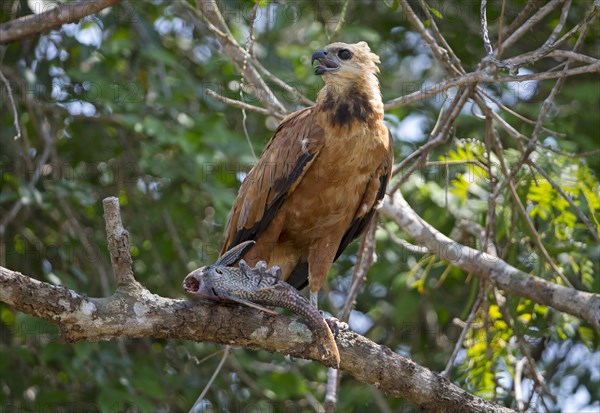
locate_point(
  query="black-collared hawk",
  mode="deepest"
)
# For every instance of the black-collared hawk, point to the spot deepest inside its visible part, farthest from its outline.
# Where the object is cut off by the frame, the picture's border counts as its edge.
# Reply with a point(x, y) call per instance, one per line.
point(318, 181)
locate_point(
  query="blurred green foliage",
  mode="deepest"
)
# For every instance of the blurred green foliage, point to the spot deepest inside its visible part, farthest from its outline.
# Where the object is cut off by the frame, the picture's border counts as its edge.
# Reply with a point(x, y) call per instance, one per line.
point(116, 106)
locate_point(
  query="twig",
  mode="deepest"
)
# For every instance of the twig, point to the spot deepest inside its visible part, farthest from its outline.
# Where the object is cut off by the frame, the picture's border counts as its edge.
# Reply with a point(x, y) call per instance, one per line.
point(331, 390)
point(238, 104)
point(481, 77)
point(440, 54)
point(416, 249)
point(572, 155)
point(365, 260)
point(13, 106)
point(556, 89)
point(530, 7)
point(16, 208)
point(361, 269)
point(439, 135)
point(579, 27)
point(463, 333)
point(289, 89)
point(500, 23)
point(534, 234)
point(208, 11)
point(518, 390)
point(212, 379)
point(248, 53)
point(118, 244)
point(532, 21)
point(340, 23)
point(514, 113)
point(245, 377)
point(490, 221)
point(546, 105)
point(561, 23)
point(566, 196)
point(555, 54)
point(436, 31)
point(38, 23)
point(534, 373)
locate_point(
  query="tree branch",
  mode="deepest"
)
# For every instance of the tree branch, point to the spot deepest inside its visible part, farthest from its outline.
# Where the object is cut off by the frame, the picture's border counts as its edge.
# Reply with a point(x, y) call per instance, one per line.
point(38, 23)
point(208, 11)
point(118, 244)
point(569, 300)
point(481, 76)
point(139, 313)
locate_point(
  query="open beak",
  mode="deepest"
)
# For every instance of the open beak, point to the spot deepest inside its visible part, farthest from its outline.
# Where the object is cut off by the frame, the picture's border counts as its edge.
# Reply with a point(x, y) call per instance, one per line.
point(325, 65)
point(191, 283)
point(195, 285)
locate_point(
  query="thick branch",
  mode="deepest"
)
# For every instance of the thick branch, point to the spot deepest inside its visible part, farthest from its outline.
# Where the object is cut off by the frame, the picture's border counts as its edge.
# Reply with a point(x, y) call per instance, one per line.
point(38, 23)
point(578, 303)
point(143, 314)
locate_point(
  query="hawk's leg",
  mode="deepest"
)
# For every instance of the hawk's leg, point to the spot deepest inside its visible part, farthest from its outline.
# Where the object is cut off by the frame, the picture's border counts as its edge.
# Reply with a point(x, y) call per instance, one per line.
point(314, 298)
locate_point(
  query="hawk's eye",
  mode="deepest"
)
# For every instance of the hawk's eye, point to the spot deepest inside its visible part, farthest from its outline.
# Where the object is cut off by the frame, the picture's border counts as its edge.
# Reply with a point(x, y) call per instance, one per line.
point(344, 54)
point(218, 271)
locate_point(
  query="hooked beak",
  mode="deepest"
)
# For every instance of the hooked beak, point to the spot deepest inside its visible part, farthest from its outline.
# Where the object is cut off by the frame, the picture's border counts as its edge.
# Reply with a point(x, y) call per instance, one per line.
point(325, 65)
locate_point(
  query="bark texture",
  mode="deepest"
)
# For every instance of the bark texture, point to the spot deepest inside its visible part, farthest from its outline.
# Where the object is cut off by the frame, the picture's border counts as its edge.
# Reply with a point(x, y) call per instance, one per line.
point(136, 312)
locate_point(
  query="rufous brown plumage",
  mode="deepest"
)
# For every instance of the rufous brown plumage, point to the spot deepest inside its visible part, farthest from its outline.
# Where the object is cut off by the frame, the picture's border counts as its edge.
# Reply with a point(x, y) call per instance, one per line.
point(318, 181)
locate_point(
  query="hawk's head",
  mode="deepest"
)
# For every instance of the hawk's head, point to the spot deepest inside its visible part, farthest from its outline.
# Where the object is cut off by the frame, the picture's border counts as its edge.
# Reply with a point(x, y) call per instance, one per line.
point(342, 63)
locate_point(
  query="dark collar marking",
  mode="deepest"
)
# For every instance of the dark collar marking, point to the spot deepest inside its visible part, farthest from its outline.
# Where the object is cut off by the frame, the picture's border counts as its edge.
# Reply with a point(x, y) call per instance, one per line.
point(354, 105)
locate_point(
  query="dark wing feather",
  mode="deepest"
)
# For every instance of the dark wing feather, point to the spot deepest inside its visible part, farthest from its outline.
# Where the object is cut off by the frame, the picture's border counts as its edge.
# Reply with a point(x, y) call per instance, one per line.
point(284, 161)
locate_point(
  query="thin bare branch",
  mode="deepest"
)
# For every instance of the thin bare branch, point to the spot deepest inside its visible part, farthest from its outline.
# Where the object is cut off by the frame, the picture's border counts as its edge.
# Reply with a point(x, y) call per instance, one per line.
point(463, 333)
point(365, 260)
point(534, 234)
point(361, 269)
point(559, 26)
point(440, 37)
point(340, 23)
point(579, 27)
point(528, 10)
point(518, 389)
point(438, 136)
point(483, 77)
point(440, 53)
point(243, 105)
point(198, 402)
point(500, 24)
point(523, 28)
point(247, 55)
point(208, 11)
point(49, 142)
point(547, 105)
point(533, 372)
point(530, 57)
point(283, 85)
point(13, 106)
